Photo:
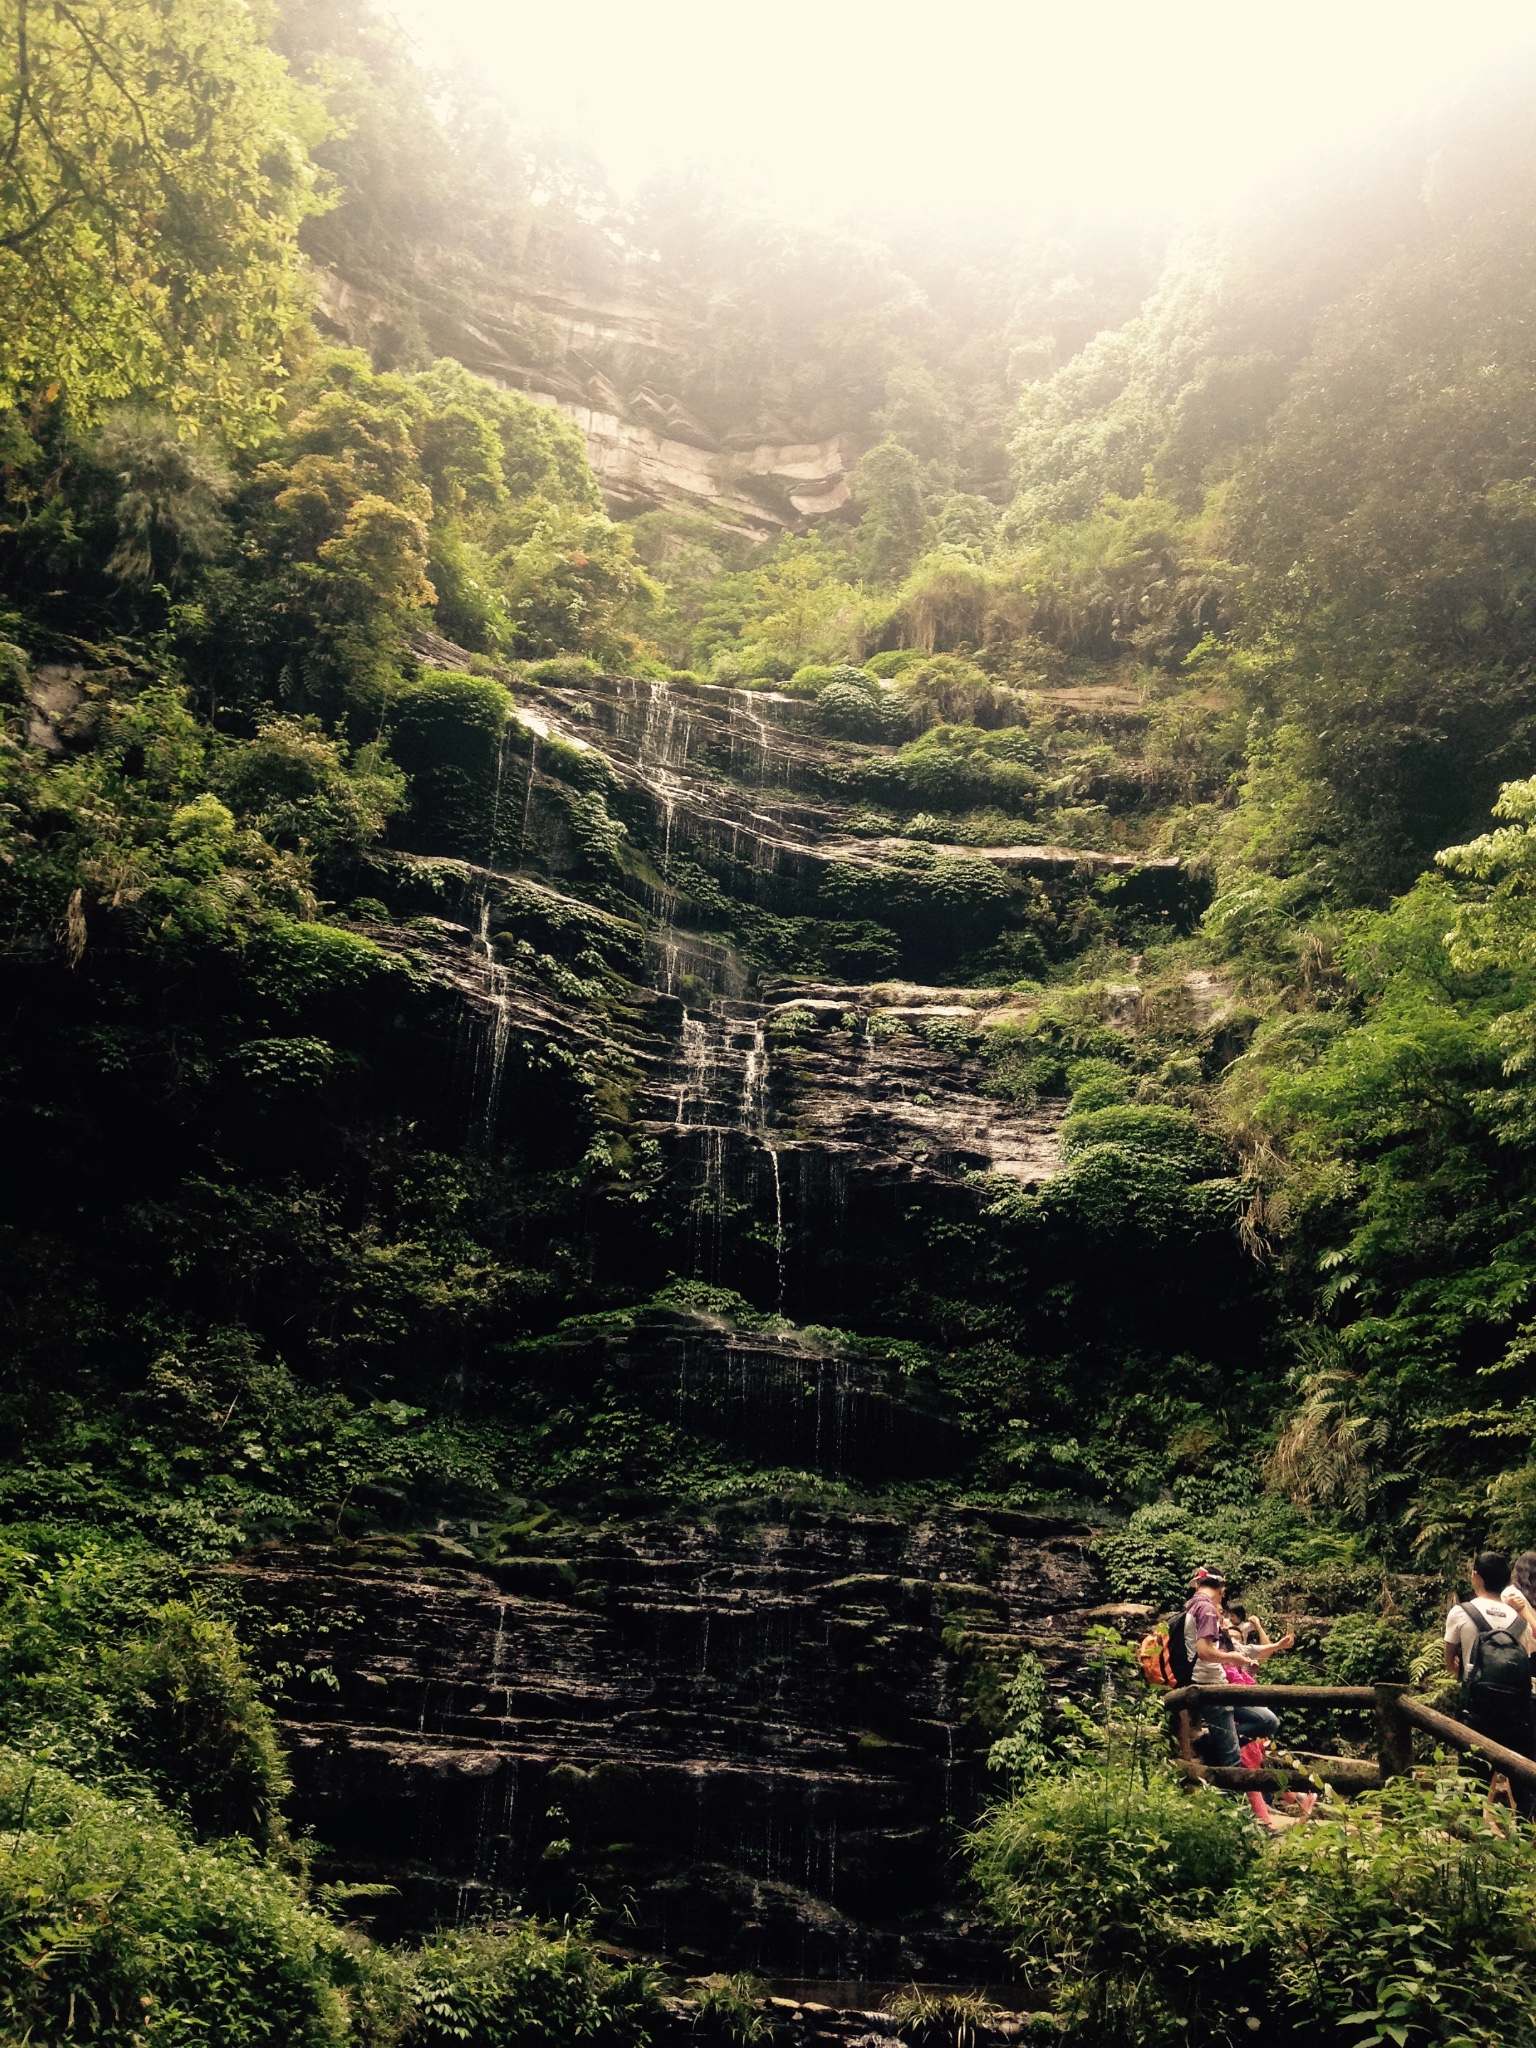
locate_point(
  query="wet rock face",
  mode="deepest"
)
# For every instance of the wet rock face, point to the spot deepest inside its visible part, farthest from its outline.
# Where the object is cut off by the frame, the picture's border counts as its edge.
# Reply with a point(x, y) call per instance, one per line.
point(890, 1076)
point(745, 780)
point(754, 1739)
point(775, 1399)
point(751, 1741)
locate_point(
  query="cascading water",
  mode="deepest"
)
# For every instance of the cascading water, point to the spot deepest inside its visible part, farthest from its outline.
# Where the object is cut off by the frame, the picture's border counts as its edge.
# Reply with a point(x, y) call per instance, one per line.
point(522, 834)
point(693, 1089)
point(754, 1111)
point(501, 1018)
point(778, 1227)
point(659, 753)
point(754, 1090)
point(757, 725)
point(495, 1051)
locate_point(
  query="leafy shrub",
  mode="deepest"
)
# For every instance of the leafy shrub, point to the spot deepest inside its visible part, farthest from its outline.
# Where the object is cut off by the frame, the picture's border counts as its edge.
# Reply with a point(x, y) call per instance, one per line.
point(523, 1988)
point(1150, 1565)
point(446, 732)
point(729, 2010)
point(1097, 1084)
point(294, 782)
point(956, 1035)
point(564, 671)
point(114, 1929)
point(790, 1025)
point(1116, 1191)
point(1161, 1916)
point(1019, 1067)
point(814, 677)
point(1095, 1877)
point(1163, 1133)
point(946, 689)
point(938, 904)
point(847, 712)
point(194, 1722)
point(1409, 1919)
point(1251, 1535)
point(953, 767)
point(1022, 1748)
point(1362, 1649)
point(941, 2019)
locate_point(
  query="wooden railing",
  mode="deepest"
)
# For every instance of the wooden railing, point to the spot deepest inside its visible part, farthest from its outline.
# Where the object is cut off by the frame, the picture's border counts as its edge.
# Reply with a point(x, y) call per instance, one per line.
point(1396, 1713)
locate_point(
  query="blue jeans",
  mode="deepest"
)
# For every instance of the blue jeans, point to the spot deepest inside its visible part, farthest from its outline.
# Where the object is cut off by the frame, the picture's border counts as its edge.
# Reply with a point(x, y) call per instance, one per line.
point(1231, 1727)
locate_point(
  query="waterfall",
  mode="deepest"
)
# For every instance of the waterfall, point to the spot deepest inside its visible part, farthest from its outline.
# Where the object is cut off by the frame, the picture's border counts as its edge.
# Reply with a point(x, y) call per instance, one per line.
point(656, 745)
point(522, 835)
point(754, 1118)
point(495, 973)
point(778, 1227)
point(694, 1086)
point(754, 1088)
point(709, 1204)
point(501, 1015)
point(741, 705)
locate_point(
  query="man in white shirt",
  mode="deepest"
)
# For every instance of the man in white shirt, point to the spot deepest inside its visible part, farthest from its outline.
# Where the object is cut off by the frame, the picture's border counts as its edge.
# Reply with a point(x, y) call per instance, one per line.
point(1487, 1646)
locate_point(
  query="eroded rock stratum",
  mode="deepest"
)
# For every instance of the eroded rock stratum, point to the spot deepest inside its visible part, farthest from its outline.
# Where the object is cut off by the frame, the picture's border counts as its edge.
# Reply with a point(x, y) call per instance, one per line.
point(747, 1734)
point(758, 1733)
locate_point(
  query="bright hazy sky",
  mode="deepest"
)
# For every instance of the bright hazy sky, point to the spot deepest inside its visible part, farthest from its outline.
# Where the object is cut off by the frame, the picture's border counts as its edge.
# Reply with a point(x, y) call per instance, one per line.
point(1098, 106)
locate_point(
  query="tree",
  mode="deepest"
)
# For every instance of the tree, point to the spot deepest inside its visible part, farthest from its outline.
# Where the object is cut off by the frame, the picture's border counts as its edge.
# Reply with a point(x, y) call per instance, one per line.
point(802, 607)
point(168, 495)
point(153, 174)
point(894, 529)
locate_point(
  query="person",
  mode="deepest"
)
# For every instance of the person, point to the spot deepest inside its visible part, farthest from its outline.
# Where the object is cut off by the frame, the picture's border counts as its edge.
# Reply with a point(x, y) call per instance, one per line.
point(1520, 1593)
point(1243, 1626)
point(1523, 1576)
point(1487, 1646)
point(1222, 1741)
point(1245, 1646)
point(1240, 1672)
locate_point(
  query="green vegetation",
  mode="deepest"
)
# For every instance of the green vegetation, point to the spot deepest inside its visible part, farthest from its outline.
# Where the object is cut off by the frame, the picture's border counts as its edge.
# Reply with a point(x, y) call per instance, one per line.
point(1161, 1918)
point(1203, 768)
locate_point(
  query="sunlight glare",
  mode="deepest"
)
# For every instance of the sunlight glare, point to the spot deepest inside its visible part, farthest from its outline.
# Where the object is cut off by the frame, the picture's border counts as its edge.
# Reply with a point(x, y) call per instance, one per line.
point(848, 105)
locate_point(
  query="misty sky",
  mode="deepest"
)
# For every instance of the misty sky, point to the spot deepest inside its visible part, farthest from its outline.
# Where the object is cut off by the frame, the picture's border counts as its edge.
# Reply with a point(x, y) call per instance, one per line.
point(1099, 105)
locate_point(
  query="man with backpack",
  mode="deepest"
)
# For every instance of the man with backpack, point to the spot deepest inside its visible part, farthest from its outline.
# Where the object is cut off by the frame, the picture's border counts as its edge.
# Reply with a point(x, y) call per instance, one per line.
point(1488, 1647)
point(1199, 1651)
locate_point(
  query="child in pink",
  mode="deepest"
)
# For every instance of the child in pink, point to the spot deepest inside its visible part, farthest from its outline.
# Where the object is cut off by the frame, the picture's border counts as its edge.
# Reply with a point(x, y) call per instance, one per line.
point(1252, 1753)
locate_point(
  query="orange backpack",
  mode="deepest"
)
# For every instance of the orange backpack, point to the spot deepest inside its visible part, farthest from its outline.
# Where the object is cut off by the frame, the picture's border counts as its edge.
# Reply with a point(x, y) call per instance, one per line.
point(1153, 1656)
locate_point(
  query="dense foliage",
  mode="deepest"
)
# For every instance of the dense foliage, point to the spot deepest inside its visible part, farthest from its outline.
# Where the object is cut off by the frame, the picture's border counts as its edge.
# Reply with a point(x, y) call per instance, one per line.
point(156, 172)
point(298, 1251)
point(1160, 1916)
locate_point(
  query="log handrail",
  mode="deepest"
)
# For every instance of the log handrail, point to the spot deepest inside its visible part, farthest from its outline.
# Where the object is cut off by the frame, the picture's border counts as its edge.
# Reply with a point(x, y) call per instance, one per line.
point(1509, 1761)
point(1272, 1695)
point(1397, 1715)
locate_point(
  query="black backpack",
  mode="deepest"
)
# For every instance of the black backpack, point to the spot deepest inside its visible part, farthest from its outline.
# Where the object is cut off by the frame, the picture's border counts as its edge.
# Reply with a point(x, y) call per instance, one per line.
point(1498, 1670)
point(1181, 1648)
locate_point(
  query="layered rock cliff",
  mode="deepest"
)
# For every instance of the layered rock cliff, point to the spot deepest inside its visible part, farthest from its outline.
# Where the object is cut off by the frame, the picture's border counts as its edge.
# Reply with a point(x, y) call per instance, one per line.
point(647, 450)
point(746, 1734)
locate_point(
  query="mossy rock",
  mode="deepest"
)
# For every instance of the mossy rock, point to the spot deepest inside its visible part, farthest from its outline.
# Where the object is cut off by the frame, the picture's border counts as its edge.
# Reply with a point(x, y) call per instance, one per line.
point(536, 1578)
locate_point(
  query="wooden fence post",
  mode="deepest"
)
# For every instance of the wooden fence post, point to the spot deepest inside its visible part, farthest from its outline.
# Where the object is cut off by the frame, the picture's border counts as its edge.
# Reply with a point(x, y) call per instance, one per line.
point(1394, 1735)
point(1184, 1733)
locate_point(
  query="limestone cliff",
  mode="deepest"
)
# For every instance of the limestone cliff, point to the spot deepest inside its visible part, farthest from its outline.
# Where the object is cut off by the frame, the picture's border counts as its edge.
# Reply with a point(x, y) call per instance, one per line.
point(752, 1733)
point(646, 449)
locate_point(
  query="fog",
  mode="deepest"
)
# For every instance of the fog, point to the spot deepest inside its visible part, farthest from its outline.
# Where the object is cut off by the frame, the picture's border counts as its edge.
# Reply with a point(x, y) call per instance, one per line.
point(847, 106)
